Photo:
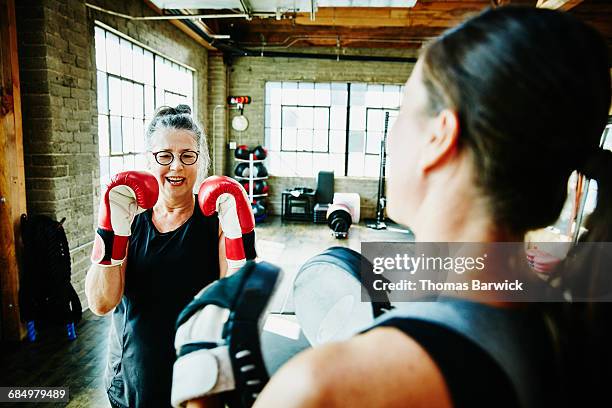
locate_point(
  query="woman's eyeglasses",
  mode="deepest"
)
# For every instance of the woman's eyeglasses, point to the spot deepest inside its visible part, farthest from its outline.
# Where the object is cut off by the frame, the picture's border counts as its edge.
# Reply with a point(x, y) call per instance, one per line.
point(165, 158)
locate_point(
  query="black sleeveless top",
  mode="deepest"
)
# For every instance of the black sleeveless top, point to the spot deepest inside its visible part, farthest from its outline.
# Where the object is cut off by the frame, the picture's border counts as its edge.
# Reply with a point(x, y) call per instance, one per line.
point(489, 357)
point(164, 272)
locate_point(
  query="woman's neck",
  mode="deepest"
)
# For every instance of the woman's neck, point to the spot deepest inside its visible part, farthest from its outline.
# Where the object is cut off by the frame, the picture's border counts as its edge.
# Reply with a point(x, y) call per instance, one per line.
point(175, 205)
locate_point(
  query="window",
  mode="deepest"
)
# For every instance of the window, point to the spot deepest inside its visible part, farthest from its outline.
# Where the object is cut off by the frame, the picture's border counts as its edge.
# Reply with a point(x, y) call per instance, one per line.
point(327, 126)
point(132, 83)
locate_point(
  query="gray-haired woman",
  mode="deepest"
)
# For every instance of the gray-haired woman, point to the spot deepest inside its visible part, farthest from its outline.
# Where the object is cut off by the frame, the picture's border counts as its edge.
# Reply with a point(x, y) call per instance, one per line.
point(173, 252)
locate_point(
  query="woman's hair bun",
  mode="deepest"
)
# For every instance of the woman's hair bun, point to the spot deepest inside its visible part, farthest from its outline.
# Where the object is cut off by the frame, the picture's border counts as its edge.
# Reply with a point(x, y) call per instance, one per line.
point(180, 109)
point(170, 111)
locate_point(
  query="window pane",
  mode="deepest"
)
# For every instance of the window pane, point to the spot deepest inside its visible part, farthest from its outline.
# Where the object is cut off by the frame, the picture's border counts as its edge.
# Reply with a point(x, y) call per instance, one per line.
point(373, 142)
point(149, 100)
point(339, 94)
point(289, 139)
point(147, 67)
point(288, 162)
point(126, 58)
point(137, 64)
point(138, 101)
point(304, 140)
point(290, 117)
point(290, 93)
point(128, 162)
point(392, 96)
point(374, 96)
point(305, 118)
point(103, 136)
point(337, 163)
point(356, 141)
point(274, 139)
point(102, 92)
point(320, 161)
point(358, 91)
point(321, 118)
point(371, 166)
point(116, 165)
point(275, 116)
point(322, 94)
point(100, 44)
point(338, 117)
point(304, 164)
point(127, 98)
point(376, 120)
point(320, 141)
point(128, 134)
point(337, 141)
point(104, 170)
point(114, 95)
point(273, 93)
point(113, 52)
point(115, 131)
point(139, 145)
point(358, 116)
point(355, 164)
point(140, 162)
point(306, 93)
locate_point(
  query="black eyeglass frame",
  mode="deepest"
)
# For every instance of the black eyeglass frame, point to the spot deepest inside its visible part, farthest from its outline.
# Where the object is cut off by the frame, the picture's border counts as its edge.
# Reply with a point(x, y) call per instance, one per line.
point(173, 157)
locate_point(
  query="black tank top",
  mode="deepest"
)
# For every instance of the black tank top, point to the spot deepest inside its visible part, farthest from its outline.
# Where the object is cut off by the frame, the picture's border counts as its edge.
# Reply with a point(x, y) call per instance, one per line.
point(164, 272)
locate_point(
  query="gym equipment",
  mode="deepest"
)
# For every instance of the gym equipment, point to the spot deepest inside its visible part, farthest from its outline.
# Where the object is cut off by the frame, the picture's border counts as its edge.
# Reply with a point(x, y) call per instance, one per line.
point(242, 152)
point(325, 187)
point(259, 212)
point(46, 295)
point(218, 338)
point(331, 302)
point(339, 220)
point(297, 204)
point(342, 213)
point(243, 170)
point(220, 347)
point(259, 153)
point(381, 201)
point(259, 186)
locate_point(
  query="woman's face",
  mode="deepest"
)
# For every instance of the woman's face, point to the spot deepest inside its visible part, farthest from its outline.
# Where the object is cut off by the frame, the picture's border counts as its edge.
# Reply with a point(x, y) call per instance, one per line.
point(407, 138)
point(176, 179)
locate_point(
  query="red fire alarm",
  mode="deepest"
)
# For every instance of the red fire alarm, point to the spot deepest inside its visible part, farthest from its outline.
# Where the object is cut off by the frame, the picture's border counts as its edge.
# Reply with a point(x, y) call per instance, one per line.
point(238, 100)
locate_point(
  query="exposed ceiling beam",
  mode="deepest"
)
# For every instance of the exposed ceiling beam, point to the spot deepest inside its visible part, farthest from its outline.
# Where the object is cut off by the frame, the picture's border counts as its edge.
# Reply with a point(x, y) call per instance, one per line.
point(181, 26)
point(558, 4)
point(444, 14)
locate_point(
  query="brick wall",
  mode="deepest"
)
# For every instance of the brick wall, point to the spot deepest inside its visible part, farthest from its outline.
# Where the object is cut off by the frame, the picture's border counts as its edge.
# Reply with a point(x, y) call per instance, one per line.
point(57, 69)
point(248, 76)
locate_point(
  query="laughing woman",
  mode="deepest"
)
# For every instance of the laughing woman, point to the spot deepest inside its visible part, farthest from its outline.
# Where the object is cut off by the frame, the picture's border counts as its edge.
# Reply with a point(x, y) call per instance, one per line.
point(173, 252)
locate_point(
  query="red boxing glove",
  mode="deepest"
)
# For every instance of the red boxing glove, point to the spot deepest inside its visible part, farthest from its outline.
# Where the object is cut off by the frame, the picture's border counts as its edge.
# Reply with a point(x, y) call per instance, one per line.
point(128, 193)
point(227, 197)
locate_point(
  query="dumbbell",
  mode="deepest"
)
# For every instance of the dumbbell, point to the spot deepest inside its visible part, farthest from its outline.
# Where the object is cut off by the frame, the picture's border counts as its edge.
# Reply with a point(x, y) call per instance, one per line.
point(259, 170)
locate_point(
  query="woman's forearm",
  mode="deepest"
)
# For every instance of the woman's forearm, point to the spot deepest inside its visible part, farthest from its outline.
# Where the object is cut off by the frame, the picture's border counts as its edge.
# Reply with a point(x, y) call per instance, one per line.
point(104, 288)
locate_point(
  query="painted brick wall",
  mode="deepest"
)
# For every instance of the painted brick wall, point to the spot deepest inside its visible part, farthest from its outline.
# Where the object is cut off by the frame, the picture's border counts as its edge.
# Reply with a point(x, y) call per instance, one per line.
point(248, 76)
point(57, 69)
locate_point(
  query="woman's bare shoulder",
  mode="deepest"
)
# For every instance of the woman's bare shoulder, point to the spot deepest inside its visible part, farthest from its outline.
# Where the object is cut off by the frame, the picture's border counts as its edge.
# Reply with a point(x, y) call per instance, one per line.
point(381, 368)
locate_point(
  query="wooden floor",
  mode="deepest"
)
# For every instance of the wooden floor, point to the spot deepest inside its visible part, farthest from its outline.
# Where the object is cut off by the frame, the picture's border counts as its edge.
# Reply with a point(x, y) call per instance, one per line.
point(55, 361)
